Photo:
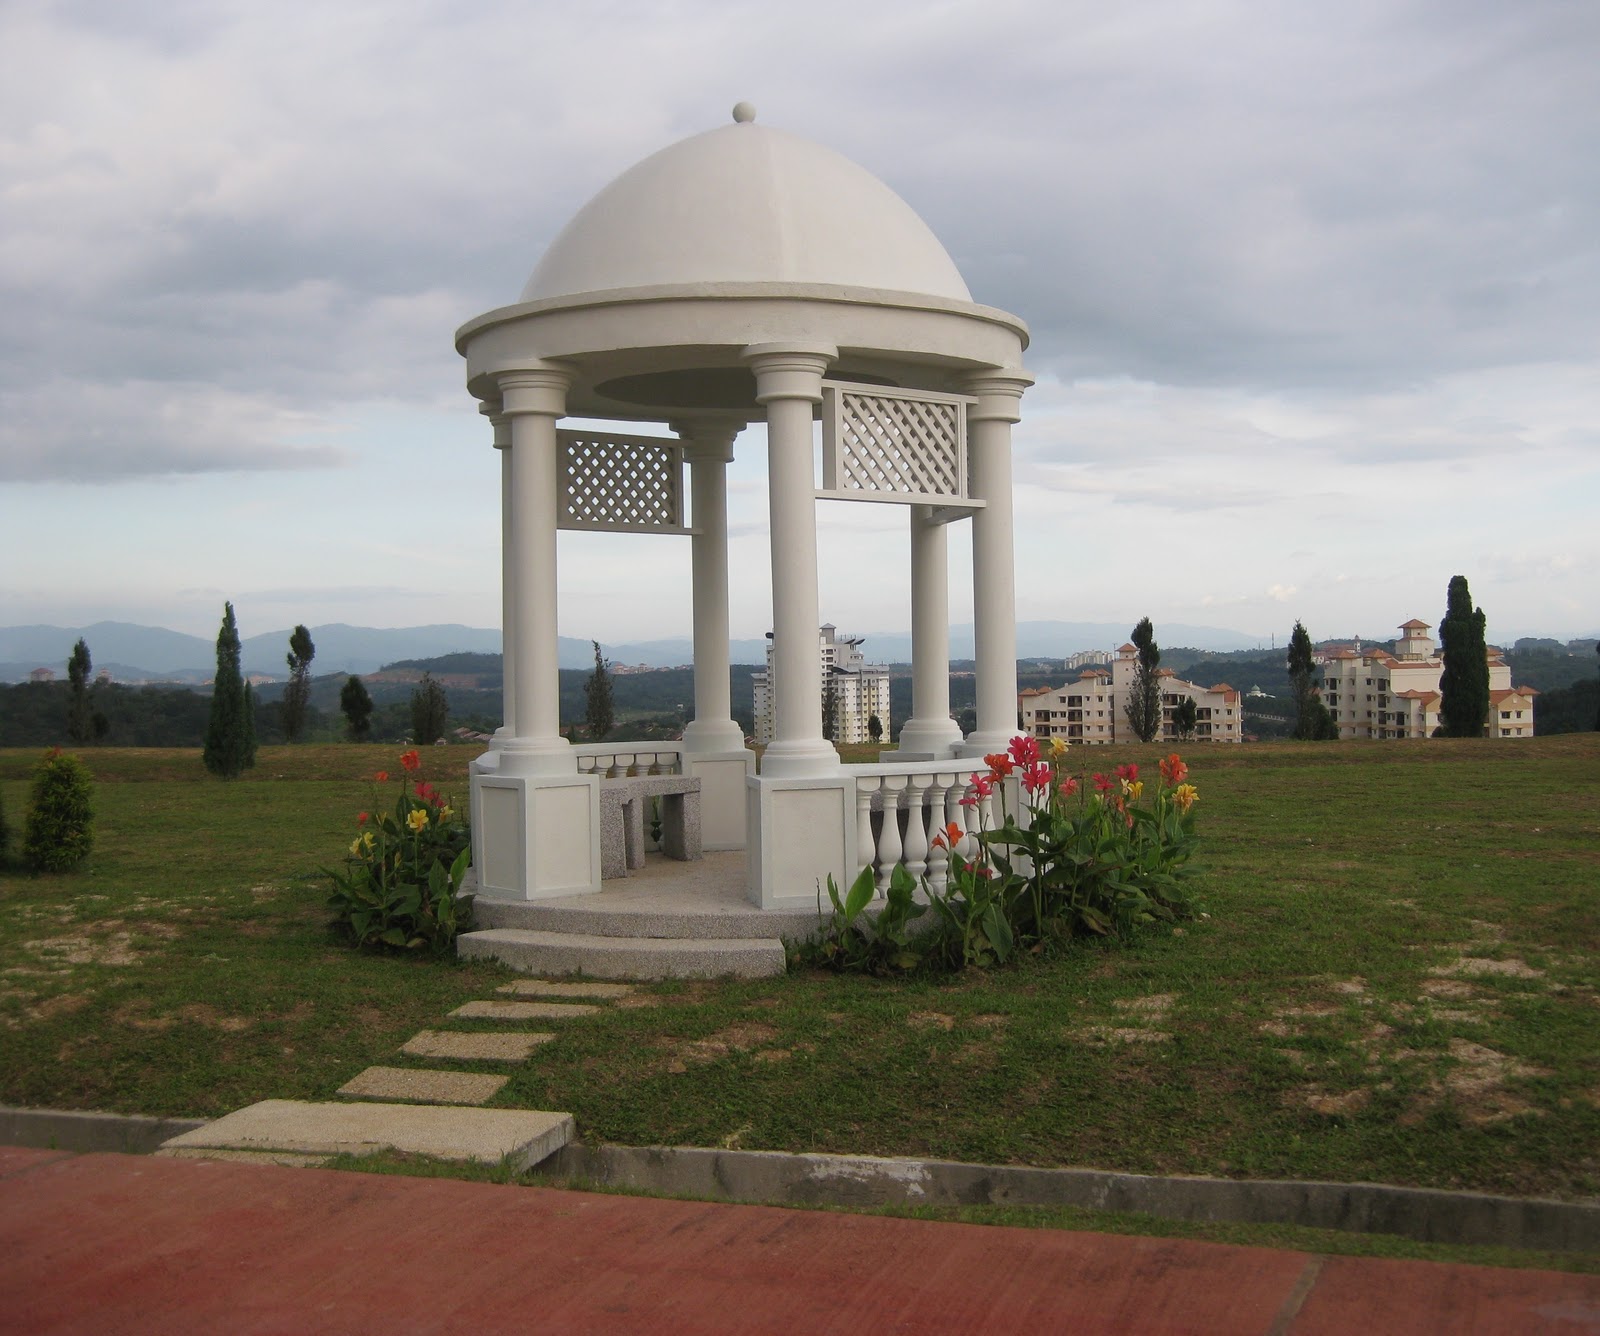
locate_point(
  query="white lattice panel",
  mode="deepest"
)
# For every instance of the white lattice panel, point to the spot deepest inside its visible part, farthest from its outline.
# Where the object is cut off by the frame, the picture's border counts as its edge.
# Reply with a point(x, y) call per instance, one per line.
point(892, 445)
point(620, 484)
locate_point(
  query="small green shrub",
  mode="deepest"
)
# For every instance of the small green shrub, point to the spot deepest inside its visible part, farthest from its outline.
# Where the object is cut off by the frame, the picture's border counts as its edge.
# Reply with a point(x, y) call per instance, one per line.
point(854, 943)
point(402, 878)
point(60, 829)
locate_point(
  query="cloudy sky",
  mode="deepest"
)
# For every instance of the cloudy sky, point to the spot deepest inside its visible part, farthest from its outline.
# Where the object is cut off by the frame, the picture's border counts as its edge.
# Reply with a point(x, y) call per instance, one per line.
point(1314, 293)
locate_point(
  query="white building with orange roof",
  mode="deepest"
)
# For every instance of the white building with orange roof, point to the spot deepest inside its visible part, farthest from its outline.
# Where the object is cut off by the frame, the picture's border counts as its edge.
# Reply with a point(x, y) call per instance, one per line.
point(1377, 694)
point(1092, 709)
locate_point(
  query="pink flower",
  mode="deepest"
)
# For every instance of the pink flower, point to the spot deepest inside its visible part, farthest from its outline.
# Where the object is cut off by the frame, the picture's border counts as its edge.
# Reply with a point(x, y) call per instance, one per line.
point(1068, 787)
point(1102, 784)
point(983, 785)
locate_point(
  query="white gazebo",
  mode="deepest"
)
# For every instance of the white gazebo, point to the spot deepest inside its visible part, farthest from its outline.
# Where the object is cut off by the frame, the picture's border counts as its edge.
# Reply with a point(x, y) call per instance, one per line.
point(745, 275)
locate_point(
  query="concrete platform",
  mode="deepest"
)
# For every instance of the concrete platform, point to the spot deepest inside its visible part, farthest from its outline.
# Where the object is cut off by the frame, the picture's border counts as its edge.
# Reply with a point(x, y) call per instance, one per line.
point(456, 1046)
point(625, 957)
point(109, 1242)
point(527, 1136)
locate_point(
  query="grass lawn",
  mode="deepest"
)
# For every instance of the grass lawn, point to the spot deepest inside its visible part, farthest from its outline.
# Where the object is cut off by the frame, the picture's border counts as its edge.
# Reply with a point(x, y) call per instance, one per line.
point(1398, 981)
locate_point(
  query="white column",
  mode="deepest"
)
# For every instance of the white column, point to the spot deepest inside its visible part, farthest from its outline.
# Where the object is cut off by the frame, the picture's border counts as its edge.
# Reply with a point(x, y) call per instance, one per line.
point(534, 400)
point(994, 577)
point(789, 385)
point(710, 449)
point(508, 576)
point(930, 730)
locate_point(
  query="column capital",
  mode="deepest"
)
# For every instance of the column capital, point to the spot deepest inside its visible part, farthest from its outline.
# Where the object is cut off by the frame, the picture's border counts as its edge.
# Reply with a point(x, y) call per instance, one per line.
point(495, 412)
point(789, 370)
point(538, 389)
point(999, 395)
point(708, 439)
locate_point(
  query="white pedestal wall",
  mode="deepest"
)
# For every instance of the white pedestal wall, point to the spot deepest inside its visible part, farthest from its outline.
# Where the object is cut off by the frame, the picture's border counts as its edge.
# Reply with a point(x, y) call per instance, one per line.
point(535, 836)
point(801, 832)
point(724, 822)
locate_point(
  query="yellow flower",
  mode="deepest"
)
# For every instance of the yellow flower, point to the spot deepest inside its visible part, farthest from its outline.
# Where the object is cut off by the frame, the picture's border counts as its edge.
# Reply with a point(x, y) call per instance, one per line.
point(1185, 795)
point(1132, 788)
point(355, 847)
point(444, 813)
point(368, 840)
point(1058, 749)
point(417, 819)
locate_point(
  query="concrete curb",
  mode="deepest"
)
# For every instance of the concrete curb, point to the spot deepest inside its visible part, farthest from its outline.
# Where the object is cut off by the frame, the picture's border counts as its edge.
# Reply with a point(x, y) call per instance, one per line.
point(774, 1177)
point(83, 1132)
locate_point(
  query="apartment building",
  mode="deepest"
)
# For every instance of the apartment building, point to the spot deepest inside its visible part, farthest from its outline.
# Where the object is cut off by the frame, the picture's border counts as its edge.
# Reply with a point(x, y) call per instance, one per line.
point(1378, 694)
point(859, 690)
point(1092, 709)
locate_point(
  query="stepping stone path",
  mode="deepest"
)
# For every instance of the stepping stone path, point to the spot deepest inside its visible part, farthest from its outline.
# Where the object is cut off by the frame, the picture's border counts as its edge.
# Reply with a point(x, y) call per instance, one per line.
point(513, 1046)
point(407, 1112)
point(523, 1011)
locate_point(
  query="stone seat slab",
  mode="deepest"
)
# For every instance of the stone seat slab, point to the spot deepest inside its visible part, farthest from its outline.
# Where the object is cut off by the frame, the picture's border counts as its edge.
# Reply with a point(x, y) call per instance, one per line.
point(458, 1046)
point(526, 1136)
point(405, 1084)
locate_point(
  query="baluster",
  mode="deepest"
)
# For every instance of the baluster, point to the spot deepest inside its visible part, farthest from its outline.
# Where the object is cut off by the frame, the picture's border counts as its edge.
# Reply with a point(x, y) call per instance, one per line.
point(889, 847)
point(916, 852)
point(866, 853)
point(938, 856)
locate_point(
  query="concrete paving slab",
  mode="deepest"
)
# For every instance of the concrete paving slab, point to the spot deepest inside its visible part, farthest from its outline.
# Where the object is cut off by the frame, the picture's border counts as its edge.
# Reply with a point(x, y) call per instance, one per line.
point(547, 988)
point(523, 1011)
point(287, 1159)
point(526, 1135)
point(502, 1046)
point(409, 1085)
point(133, 1245)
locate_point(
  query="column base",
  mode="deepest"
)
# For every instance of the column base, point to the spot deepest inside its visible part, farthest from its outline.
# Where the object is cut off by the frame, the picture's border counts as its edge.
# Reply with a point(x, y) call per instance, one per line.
point(808, 759)
point(537, 756)
point(986, 744)
point(929, 739)
point(713, 735)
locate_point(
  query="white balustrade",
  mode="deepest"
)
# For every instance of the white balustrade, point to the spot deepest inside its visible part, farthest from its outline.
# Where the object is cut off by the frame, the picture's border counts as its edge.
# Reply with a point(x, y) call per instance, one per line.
point(930, 793)
point(615, 759)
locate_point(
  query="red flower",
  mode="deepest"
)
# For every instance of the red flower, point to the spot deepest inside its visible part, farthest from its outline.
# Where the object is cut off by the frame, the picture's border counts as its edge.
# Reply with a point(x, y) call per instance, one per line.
point(362, 818)
point(1173, 770)
point(1128, 772)
point(949, 837)
point(382, 776)
point(983, 785)
point(1068, 787)
point(1000, 765)
point(1102, 783)
point(411, 760)
point(1024, 749)
point(1036, 778)
point(424, 789)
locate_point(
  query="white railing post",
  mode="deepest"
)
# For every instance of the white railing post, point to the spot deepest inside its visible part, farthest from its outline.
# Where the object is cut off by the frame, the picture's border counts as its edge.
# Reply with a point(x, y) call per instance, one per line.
point(916, 842)
point(866, 786)
point(889, 847)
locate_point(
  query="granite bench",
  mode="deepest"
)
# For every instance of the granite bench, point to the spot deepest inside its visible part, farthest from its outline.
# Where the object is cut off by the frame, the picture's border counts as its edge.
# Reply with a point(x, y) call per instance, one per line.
point(622, 814)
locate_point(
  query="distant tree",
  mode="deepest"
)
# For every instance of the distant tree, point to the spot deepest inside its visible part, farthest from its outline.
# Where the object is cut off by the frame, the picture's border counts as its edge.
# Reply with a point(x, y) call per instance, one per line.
point(830, 707)
point(248, 715)
point(1464, 683)
point(1143, 706)
point(229, 733)
point(1311, 715)
point(875, 728)
point(79, 723)
point(5, 833)
point(297, 695)
point(60, 830)
point(1185, 717)
point(599, 713)
point(357, 706)
point(430, 709)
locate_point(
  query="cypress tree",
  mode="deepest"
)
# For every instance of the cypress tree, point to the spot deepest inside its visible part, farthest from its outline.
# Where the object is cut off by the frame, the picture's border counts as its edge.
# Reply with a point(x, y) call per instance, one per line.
point(225, 752)
point(600, 714)
point(356, 703)
point(430, 708)
point(1464, 683)
point(1143, 707)
point(1309, 711)
point(297, 695)
point(79, 724)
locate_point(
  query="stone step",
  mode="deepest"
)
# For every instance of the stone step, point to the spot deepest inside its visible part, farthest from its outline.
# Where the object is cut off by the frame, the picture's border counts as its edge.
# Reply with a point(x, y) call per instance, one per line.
point(460, 1046)
point(605, 957)
point(497, 1010)
point(301, 1127)
point(639, 918)
point(405, 1084)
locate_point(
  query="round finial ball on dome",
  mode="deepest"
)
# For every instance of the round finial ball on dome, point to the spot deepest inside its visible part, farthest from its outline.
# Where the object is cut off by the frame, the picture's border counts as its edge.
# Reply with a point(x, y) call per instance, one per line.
point(744, 112)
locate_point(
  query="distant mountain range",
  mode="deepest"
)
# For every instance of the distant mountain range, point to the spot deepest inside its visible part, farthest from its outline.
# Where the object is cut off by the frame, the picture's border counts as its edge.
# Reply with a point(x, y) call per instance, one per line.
point(152, 653)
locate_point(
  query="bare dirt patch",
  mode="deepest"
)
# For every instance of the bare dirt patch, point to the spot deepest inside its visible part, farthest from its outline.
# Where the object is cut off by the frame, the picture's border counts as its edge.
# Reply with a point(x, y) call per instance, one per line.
point(203, 1013)
point(741, 1038)
point(931, 1020)
point(770, 1055)
point(1481, 966)
point(990, 1020)
point(1115, 1034)
point(1356, 987)
point(1155, 1006)
point(1454, 989)
point(63, 1004)
point(1329, 1106)
point(115, 948)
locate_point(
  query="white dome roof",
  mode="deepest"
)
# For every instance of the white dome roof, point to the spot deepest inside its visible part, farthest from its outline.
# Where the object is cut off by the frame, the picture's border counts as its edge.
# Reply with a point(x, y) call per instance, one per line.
point(746, 204)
